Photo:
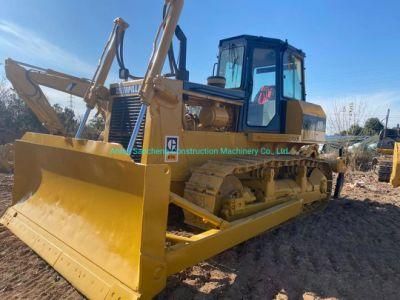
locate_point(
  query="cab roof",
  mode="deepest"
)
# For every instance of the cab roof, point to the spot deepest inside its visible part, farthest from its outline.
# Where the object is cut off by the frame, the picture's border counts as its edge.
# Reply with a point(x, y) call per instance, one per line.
point(260, 39)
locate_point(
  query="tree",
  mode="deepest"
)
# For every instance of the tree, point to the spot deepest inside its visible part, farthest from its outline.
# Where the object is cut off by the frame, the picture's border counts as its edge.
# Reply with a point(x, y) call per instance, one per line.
point(67, 118)
point(94, 128)
point(373, 126)
point(15, 117)
point(355, 129)
point(343, 115)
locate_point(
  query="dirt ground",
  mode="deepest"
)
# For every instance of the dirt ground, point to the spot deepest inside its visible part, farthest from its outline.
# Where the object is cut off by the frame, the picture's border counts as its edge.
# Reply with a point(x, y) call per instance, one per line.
point(349, 251)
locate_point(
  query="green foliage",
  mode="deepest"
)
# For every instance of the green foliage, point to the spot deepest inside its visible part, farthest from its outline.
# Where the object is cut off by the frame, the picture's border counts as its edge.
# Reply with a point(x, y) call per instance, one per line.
point(355, 130)
point(15, 117)
point(373, 126)
point(67, 118)
point(94, 128)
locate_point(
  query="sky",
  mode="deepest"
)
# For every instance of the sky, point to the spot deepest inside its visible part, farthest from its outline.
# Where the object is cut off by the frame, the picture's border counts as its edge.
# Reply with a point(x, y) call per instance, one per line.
point(352, 47)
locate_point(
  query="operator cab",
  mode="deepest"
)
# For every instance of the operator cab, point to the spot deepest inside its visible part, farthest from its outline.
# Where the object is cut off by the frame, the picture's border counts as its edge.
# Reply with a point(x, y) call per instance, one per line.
point(269, 71)
point(262, 72)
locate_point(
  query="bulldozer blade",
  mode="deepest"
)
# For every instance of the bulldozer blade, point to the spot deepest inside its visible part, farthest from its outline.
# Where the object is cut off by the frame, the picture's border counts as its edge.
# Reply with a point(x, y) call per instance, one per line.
point(94, 215)
point(395, 176)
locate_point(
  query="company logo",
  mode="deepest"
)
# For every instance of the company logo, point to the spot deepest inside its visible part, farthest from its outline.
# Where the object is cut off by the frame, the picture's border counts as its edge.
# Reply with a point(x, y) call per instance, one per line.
point(125, 90)
point(171, 149)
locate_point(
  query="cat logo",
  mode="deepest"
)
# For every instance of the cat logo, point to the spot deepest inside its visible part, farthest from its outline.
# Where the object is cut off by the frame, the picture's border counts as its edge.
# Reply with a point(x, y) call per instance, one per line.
point(171, 149)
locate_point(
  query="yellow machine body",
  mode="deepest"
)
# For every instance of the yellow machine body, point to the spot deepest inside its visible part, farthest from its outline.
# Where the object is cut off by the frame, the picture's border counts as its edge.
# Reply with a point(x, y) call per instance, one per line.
point(165, 118)
point(395, 176)
point(99, 215)
point(88, 226)
point(385, 151)
point(100, 219)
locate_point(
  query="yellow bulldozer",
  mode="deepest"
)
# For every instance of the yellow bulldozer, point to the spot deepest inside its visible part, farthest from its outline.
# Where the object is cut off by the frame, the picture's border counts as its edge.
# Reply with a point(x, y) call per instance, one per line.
point(185, 171)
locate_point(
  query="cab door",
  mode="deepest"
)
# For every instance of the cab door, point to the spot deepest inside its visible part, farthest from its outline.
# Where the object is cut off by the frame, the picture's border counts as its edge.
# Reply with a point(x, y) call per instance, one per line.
point(263, 104)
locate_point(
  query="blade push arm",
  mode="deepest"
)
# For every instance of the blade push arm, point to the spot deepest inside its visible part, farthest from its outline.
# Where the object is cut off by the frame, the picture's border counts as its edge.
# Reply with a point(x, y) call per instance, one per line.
point(161, 46)
point(97, 92)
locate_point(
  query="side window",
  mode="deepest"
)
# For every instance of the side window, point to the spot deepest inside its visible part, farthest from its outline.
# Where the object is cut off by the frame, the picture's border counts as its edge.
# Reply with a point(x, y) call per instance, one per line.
point(292, 76)
point(262, 103)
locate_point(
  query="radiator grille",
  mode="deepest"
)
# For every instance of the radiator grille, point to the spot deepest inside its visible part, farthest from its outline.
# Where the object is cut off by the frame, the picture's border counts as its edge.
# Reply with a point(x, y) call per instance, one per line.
point(124, 113)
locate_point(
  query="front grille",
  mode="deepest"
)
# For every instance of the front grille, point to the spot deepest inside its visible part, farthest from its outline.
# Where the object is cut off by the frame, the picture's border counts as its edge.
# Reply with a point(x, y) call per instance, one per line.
point(124, 113)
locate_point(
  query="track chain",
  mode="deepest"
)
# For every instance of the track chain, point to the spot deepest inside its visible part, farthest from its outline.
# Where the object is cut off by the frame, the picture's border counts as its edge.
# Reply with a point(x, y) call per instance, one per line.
point(206, 180)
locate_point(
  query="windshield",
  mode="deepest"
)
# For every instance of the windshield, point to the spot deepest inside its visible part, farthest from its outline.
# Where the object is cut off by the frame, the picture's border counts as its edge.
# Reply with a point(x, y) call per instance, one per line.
point(231, 66)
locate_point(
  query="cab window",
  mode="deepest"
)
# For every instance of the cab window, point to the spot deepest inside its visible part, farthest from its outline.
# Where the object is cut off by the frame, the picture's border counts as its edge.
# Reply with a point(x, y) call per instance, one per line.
point(262, 103)
point(231, 66)
point(292, 76)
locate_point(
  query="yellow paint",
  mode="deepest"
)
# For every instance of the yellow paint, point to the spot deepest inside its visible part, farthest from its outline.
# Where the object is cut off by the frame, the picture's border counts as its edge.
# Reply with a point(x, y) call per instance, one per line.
point(395, 176)
point(101, 220)
point(92, 211)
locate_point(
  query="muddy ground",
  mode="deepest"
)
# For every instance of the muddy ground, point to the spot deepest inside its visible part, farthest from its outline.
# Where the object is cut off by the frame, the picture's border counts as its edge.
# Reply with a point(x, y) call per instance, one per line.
point(349, 251)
